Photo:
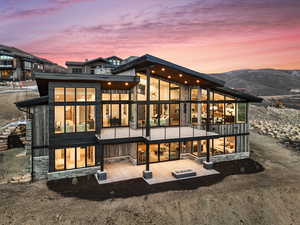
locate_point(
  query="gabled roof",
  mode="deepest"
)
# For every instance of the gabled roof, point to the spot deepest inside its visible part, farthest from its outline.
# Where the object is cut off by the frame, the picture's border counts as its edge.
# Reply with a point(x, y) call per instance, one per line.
point(239, 94)
point(73, 63)
point(149, 59)
point(32, 102)
point(114, 57)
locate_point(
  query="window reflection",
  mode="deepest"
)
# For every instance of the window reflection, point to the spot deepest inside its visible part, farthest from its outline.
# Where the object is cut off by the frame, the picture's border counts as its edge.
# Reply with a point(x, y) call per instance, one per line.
point(241, 112)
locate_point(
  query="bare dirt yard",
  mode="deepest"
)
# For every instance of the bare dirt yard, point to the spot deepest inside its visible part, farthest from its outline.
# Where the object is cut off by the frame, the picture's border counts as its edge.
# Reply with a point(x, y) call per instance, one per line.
point(8, 110)
point(262, 190)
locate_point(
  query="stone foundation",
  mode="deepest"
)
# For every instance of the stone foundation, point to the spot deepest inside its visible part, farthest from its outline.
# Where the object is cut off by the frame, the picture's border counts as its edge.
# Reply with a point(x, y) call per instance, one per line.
point(40, 167)
point(73, 173)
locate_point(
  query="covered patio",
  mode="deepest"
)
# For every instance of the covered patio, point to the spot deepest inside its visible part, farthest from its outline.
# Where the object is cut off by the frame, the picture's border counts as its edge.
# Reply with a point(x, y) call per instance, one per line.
point(162, 172)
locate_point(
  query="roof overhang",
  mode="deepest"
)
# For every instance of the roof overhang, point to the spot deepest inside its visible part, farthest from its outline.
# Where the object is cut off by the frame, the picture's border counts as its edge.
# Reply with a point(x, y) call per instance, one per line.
point(238, 94)
point(170, 71)
point(32, 102)
point(107, 81)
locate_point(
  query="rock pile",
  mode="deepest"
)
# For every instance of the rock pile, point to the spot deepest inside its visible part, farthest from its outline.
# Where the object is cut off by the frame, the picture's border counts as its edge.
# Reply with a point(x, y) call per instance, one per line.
point(283, 124)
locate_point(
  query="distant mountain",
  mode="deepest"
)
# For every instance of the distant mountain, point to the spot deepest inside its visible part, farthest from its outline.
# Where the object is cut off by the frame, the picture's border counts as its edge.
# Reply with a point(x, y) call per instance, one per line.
point(263, 82)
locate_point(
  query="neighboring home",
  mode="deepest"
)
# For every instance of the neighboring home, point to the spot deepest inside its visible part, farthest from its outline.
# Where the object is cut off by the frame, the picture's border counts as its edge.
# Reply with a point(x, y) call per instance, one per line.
point(147, 115)
point(94, 66)
point(17, 65)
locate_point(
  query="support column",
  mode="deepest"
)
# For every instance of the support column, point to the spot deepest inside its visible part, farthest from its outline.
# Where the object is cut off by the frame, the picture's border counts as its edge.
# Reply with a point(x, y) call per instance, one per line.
point(148, 105)
point(208, 164)
point(147, 174)
point(101, 174)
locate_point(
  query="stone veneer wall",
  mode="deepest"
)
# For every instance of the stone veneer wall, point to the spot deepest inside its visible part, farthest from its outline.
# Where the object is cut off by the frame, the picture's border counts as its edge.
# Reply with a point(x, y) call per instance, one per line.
point(40, 167)
point(72, 173)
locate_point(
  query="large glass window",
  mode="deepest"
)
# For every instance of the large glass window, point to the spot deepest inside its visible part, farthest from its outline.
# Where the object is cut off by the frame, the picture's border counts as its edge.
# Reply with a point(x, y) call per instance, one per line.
point(241, 113)
point(164, 90)
point(115, 115)
point(90, 158)
point(195, 114)
point(141, 115)
point(203, 95)
point(106, 115)
point(174, 91)
point(141, 153)
point(194, 94)
point(142, 87)
point(218, 113)
point(218, 97)
point(153, 153)
point(203, 148)
point(174, 150)
point(59, 119)
point(204, 112)
point(70, 118)
point(80, 157)
point(164, 151)
point(124, 97)
point(59, 94)
point(124, 115)
point(70, 158)
point(229, 113)
point(218, 146)
point(90, 94)
point(164, 115)
point(174, 115)
point(105, 96)
point(154, 115)
point(91, 124)
point(59, 159)
point(70, 94)
point(80, 118)
point(154, 89)
point(80, 94)
point(230, 144)
point(115, 97)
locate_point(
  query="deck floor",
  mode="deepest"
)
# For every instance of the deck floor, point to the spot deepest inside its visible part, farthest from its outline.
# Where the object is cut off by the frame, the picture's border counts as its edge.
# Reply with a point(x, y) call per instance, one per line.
point(162, 172)
point(158, 133)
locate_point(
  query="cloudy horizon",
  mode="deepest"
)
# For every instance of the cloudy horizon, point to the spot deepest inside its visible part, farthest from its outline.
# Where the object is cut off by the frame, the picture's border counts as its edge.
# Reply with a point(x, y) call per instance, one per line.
point(206, 35)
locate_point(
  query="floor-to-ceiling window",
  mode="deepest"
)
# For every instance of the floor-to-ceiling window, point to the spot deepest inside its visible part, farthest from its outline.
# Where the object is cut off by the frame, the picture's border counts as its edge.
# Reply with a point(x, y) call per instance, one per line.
point(174, 92)
point(164, 115)
point(174, 114)
point(74, 110)
point(154, 115)
point(154, 89)
point(74, 157)
point(153, 152)
point(164, 91)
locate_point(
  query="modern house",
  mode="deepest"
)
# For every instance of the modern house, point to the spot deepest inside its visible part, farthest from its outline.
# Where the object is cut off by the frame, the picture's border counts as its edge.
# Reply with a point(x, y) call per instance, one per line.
point(146, 114)
point(17, 65)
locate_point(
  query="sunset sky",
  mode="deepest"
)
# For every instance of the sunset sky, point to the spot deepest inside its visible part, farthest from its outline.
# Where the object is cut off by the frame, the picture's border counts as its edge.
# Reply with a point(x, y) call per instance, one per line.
point(205, 35)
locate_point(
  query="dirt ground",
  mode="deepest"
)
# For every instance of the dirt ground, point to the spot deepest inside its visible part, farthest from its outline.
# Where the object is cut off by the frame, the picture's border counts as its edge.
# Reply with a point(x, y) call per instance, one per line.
point(8, 110)
point(263, 190)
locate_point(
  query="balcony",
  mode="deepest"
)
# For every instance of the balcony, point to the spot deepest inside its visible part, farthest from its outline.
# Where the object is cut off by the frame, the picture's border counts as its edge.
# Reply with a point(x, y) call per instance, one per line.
point(157, 133)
